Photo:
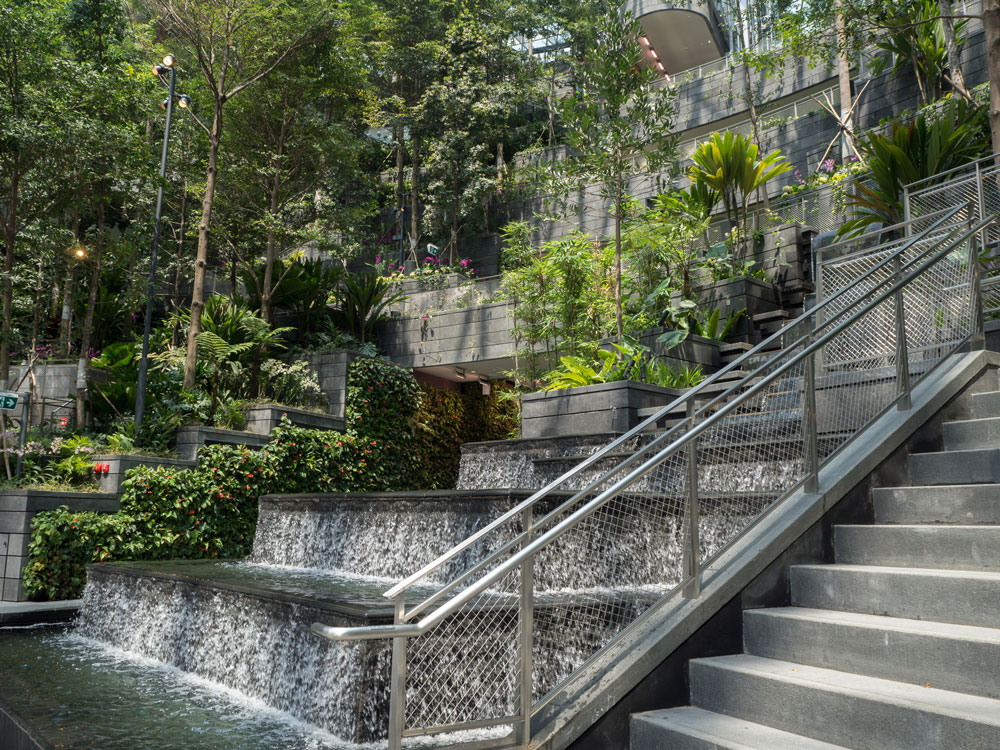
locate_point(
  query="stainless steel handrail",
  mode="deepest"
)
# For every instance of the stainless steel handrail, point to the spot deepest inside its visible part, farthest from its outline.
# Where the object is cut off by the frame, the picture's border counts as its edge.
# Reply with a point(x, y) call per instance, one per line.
point(543, 539)
point(913, 189)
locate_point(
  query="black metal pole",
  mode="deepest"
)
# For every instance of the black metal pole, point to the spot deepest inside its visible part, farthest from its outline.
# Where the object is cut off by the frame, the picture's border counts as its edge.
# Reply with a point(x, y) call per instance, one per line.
point(140, 396)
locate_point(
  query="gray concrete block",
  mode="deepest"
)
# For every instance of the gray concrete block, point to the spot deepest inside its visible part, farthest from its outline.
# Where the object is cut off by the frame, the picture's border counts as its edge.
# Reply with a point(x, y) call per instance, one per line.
point(691, 728)
point(971, 434)
point(18, 544)
point(14, 566)
point(852, 710)
point(962, 597)
point(956, 467)
point(4, 544)
point(949, 656)
point(920, 546)
point(959, 504)
point(13, 590)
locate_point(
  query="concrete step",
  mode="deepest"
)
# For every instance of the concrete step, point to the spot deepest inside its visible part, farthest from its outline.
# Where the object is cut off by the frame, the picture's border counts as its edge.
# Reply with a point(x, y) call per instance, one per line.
point(691, 728)
point(956, 467)
point(963, 597)
point(772, 315)
point(963, 658)
point(855, 711)
point(919, 546)
point(965, 504)
point(986, 404)
point(972, 434)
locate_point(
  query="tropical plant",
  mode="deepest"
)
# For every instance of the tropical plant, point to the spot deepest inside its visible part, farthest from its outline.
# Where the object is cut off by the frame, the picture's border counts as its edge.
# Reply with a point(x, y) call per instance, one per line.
point(914, 152)
point(915, 38)
point(628, 361)
point(364, 302)
point(728, 164)
point(709, 326)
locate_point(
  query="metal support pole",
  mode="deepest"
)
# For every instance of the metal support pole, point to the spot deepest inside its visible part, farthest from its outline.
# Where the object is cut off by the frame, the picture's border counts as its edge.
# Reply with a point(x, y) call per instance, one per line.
point(692, 561)
point(809, 424)
point(980, 209)
point(977, 338)
point(140, 396)
point(25, 416)
point(526, 615)
point(902, 354)
point(397, 682)
point(908, 229)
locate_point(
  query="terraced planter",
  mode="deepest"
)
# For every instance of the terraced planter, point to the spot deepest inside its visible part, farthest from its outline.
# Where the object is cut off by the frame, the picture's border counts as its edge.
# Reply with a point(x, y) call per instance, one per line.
point(17, 508)
point(590, 409)
point(263, 418)
point(118, 463)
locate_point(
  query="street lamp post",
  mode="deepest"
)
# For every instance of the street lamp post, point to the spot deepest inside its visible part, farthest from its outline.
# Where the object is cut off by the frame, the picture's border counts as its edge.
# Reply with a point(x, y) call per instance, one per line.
point(168, 104)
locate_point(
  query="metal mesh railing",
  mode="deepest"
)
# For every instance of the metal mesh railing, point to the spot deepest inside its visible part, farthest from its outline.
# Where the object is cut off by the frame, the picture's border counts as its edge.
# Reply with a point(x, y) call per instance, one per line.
point(976, 185)
point(825, 209)
point(560, 577)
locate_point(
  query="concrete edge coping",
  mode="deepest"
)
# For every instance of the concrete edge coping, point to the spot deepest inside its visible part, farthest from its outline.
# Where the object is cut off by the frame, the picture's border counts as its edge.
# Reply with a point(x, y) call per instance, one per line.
point(149, 460)
point(617, 385)
point(623, 666)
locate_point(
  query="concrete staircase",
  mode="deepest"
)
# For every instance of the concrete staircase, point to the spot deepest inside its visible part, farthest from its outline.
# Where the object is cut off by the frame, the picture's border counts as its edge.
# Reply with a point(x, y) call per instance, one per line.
point(895, 646)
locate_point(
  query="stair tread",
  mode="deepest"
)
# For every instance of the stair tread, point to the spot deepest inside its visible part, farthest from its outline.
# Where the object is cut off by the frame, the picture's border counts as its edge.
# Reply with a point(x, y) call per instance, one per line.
point(883, 622)
point(985, 575)
point(964, 706)
point(729, 732)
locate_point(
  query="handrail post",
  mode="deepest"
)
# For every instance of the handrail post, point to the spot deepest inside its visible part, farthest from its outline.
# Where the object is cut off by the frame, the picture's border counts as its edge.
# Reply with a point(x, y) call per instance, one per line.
point(692, 558)
point(902, 353)
point(810, 423)
point(526, 616)
point(397, 682)
point(906, 211)
point(977, 337)
point(980, 209)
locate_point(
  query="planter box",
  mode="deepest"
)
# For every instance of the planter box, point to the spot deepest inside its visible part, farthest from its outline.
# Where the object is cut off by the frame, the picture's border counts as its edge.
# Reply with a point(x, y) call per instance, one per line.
point(119, 463)
point(192, 437)
point(17, 508)
point(262, 418)
point(331, 371)
point(694, 351)
point(430, 282)
point(608, 407)
point(734, 294)
point(465, 293)
point(457, 337)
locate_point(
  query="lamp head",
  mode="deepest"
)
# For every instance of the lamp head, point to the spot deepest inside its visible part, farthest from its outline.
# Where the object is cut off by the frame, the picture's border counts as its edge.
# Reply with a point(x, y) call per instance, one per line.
point(183, 101)
point(164, 103)
point(168, 60)
point(80, 253)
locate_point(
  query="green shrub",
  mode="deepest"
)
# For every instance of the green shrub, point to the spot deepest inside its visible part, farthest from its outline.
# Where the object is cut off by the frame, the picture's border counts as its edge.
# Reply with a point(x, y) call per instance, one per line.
point(63, 543)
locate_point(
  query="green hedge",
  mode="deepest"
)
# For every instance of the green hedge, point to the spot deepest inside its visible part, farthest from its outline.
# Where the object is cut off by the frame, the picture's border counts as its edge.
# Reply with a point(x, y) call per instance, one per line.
point(400, 436)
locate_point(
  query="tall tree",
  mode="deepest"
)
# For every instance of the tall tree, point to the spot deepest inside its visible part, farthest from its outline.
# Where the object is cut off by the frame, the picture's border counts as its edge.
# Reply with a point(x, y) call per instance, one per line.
point(37, 108)
point(618, 124)
point(236, 44)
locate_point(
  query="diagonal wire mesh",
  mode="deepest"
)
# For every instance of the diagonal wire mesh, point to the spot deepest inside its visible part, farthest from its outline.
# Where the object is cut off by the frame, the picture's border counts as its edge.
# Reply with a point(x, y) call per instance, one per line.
point(562, 576)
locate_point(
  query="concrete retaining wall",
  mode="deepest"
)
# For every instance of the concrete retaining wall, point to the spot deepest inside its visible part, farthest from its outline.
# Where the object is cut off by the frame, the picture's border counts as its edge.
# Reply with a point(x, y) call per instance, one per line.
point(17, 508)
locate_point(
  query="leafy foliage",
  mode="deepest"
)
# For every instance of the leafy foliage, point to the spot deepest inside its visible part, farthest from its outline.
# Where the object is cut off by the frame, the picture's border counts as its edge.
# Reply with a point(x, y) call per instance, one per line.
point(364, 303)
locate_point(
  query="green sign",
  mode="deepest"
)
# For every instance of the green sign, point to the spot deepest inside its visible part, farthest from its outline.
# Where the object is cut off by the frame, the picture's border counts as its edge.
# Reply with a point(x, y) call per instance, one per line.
point(8, 400)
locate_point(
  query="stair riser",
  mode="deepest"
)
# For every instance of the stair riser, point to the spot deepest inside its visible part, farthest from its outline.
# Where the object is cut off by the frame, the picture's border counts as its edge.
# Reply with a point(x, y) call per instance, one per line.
point(967, 467)
point(966, 666)
point(979, 433)
point(985, 405)
point(960, 600)
point(840, 717)
point(964, 548)
point(966, 504)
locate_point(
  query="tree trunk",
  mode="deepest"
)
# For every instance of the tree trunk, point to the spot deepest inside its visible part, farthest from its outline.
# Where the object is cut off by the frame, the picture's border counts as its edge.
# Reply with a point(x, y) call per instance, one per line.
point(88, 320)
point(844, 83)
point(399, 189)
point(991, 26)
point(201, 259)
point(36, 317)
point(618, 264)
point(9, 236)
point(951, 47)
point(267, 293)
point(66, 322)
point(414, 194)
